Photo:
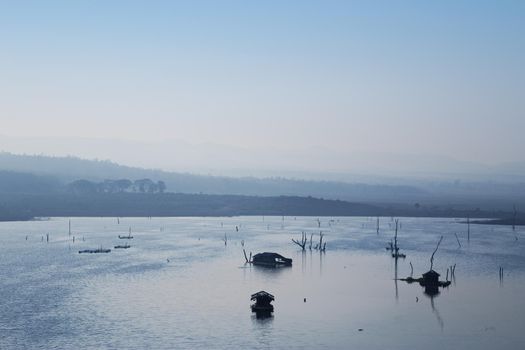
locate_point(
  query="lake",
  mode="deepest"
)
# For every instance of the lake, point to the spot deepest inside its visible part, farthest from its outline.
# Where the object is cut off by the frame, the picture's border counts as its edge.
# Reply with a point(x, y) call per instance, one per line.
point(180, 286)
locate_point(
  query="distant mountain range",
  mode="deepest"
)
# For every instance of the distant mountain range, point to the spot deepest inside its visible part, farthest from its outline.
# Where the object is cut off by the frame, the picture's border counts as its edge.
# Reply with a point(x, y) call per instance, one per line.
point(68, 169)
point(315, 163)
point(46, 174)
point(38, 185)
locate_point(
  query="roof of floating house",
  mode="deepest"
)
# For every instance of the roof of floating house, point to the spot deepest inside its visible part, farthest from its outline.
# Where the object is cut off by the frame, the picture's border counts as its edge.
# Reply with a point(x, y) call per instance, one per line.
point(262, 294)
point(431, 274)
point(271, 258)
point(268, 255)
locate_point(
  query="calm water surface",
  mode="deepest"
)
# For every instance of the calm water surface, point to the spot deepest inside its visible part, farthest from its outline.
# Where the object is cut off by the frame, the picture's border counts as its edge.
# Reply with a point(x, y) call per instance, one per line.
point(179, 286)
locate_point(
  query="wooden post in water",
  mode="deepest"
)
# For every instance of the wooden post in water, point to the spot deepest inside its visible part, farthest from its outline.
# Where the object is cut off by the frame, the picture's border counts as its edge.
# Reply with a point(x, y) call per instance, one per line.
point(468, 228)
point(457, 239)
point(395, 239)
point(515, 213)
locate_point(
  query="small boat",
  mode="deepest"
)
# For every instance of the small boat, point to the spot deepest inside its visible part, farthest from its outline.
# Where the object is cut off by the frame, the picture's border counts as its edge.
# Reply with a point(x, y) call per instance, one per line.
point(271, 260)
point(94, 251)
point(262, 302)
point(129, 236)
point(122, 246)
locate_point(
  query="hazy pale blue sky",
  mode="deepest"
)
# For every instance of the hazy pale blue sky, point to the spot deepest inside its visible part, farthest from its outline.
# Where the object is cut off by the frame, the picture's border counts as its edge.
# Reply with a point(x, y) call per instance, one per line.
point(437, 77)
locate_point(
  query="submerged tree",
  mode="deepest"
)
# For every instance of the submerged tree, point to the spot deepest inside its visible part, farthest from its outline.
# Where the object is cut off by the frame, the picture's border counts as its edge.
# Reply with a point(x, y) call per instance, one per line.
point(435, 250)
point(301, 243)
point(514, 215)
point(395, 249)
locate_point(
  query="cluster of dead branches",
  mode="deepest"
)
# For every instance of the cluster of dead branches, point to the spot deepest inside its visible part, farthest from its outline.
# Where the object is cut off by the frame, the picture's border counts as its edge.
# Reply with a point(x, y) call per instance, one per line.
point(248, 260)
point(302, 243)
point(393, 245)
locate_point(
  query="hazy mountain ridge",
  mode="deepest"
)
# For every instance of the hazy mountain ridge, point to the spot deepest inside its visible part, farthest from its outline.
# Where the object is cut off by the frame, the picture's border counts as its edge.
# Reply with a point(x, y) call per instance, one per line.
point(24, 182)
point(313, 163)
point(458, 194)
point(37, 185)
point(68, 169)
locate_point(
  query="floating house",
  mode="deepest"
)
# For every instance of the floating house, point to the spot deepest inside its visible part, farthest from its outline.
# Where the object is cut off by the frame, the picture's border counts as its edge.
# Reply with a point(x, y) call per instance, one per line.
point(262, 302)
point(271, 260)
point(430, 281)
point(431, 278)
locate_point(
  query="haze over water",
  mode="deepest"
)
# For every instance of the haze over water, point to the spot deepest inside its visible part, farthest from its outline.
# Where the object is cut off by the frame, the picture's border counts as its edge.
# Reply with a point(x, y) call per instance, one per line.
point(180, 286)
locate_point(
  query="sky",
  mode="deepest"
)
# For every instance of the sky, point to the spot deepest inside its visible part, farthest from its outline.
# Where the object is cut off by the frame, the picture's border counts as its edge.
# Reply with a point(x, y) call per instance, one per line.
point(437, 78)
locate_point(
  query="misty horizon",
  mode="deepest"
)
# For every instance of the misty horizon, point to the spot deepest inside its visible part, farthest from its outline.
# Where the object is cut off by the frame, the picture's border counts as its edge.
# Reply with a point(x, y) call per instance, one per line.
point(227, 160)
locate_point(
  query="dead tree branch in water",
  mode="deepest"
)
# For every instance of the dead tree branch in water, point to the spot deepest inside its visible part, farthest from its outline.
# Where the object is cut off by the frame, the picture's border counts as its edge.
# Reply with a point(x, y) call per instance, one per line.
point(248, 260)
point(303, 241)
point(468, 228)
point(395, 249)
point(514, 215)
point(457, 239)
point(435, 250)
point(321, 246)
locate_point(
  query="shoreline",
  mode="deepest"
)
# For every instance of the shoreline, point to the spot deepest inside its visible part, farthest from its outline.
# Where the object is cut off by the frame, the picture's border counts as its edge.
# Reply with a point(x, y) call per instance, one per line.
point(35, 207)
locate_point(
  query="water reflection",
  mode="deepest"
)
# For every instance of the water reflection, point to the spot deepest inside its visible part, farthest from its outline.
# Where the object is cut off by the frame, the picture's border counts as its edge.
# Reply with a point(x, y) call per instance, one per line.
point(263, 329)
point(432, 294)
point(263, 316)
point(321, 256)
point(270, 270)
point(308, 259)
point(431, 291)
point(395, 279)
point(303, 261)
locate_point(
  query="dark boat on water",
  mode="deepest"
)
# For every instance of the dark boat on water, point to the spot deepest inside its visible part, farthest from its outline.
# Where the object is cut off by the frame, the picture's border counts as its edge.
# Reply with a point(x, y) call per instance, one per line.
point(122, 246)
point(94, 251)
point(271, 260)
point(129, 236)
point(262, 306)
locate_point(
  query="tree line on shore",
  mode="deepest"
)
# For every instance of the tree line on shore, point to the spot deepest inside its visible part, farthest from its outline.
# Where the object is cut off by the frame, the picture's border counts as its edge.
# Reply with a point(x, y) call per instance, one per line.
point(116, 186)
